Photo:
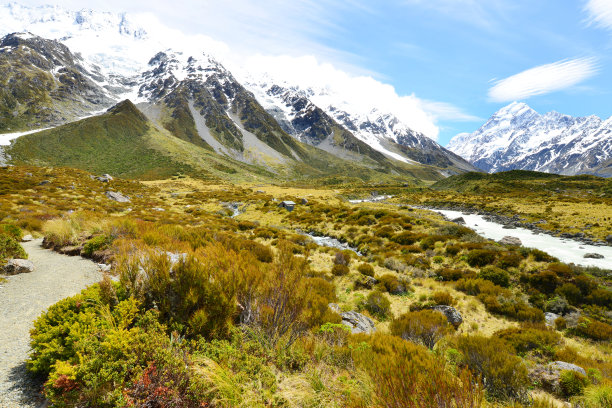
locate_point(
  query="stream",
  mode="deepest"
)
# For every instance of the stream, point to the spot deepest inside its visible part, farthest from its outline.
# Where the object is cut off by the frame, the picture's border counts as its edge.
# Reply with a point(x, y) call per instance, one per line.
point(567, 250)
point(331, 243)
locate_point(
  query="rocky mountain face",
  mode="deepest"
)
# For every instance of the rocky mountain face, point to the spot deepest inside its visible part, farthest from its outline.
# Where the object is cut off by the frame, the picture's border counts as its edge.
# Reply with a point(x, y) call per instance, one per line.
point(518, 137)
point(191, 95)
point(42, 83)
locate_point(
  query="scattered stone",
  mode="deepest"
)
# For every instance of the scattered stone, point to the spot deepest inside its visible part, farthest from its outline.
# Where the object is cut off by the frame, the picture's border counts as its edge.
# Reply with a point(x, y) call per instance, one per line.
point(44, 183)
point(105, 178)
point(366, 282)
point(510, 241)
point(120, 198)
point(452, 315)
point(334, 308)
point(358, 323)
point(550, 318)
point(508, 226)
point(304, 201)
point(27, 238)
point(17, 266)
point(609, 239)
point(28, 174)
point(459, 220)
point(104, 267)
point(593, 256)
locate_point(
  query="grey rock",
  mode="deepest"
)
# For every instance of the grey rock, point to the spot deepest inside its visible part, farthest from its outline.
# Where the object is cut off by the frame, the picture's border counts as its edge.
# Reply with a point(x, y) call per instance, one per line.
point(511, 241)
point(458, 220)
point(104, 267)
point(550, 318)
point(334, 308)
point(120, 198)
point(105, 178)
point(17, 266)
point(609, 239)
point(452, 315)
point(563, 366)
point(358, 323)
point(27, 238)
point(304, 201)
point(593, 255)
point(44, 183)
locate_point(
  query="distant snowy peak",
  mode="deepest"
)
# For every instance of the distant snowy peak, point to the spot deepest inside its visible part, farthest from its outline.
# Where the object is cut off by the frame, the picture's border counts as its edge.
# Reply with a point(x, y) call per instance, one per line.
point(518, 137)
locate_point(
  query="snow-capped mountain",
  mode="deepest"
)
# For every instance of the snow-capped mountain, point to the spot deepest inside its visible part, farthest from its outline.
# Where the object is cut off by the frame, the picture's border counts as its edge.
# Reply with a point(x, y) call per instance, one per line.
point(131, 57)
point(518, 137)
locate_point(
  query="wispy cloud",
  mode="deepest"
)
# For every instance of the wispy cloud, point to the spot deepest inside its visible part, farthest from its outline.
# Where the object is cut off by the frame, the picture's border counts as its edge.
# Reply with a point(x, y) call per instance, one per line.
point(543, 79)
point(600, 13)
point(475, 12)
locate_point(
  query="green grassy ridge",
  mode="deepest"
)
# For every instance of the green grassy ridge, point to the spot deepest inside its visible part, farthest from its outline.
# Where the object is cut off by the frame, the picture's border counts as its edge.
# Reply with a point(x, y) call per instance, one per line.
point(523, 179)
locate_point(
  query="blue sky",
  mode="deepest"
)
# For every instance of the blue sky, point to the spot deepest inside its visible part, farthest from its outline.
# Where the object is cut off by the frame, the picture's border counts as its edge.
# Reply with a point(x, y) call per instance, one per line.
point(461, 59)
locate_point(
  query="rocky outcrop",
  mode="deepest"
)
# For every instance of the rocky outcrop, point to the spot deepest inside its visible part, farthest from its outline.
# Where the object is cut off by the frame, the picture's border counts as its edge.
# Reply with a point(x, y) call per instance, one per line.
point(549, 376)
point(120, 198)
point(17, 266)
point(358, 323)
point(550, 318)
point(510, 241)
point(452, 315)
point(593, 256)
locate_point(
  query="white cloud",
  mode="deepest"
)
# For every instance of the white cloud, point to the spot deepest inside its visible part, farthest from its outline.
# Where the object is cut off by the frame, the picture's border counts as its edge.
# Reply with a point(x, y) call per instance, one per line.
point(543, 79)
point(600, 12)
point(476, 12)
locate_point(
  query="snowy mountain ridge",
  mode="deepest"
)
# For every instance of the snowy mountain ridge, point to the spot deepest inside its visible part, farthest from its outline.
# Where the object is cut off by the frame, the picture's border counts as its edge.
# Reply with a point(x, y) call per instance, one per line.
point(518, 137)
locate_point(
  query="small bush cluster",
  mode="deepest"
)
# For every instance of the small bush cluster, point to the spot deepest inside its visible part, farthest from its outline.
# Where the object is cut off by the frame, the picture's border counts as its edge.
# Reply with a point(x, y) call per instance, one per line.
point(424, 327)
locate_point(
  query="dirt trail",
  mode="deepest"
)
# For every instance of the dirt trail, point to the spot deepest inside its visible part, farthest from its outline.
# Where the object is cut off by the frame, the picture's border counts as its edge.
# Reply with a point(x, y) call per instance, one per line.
point(22, 299)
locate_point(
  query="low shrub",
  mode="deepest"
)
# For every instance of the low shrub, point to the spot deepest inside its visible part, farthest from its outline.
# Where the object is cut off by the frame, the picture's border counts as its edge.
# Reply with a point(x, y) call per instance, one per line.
point(572, 383)
point(593, 329)
point(442, 297)
point(395, 265)
point(366, 269)
point(11, 230)
point(541, 256)
point(509, 260)
point(10, 248)
point(451, 274)
point(378, 305)
point(595, 396)
point(343, 258)
point(340, 270)
point(528, 338)
point(452, 250)
point(496, 275)
point(96, 243)
point(405, 375)
point(393, 285)
point(481, 257)
point(246, 225)
point(424, 327)
point(503, 374)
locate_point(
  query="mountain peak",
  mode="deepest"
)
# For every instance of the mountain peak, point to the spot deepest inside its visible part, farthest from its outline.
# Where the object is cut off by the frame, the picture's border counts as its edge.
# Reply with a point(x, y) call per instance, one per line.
point(515, 109)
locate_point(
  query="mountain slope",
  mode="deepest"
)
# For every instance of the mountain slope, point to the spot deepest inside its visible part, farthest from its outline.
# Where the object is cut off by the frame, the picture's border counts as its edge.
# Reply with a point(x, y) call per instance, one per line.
point(124, 143)
point(43, 83)
point(517, 137)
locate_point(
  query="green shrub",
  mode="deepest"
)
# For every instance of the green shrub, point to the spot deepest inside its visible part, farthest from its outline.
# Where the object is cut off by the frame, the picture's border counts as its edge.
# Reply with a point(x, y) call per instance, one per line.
point(451, 274)
point(246, 225)
point(503, 374)
point(452, 250)
point(96, 243)
point(366, 269)
point(340, 270)
point(378, 305)
point(10, 248)
point(541, 256)
point(496, 275)
point(424, 327)
point(509, 260)
point(481, 257)
point(593, 329)
point(11, 230)
point(595, 396)
point(343, 258)
point(531, 338)
point(572, 383)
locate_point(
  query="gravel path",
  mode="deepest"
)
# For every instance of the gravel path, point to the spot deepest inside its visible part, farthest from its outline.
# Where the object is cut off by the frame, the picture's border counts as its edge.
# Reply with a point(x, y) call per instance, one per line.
point(22, 299)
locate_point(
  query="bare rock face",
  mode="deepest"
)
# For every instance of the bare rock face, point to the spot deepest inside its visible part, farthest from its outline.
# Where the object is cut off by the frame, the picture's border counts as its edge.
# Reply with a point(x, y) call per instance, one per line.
point(358, 323)
point(511, 241)
point(17, 266)
point(549, 376)
point(120, 198)
point(452, 315)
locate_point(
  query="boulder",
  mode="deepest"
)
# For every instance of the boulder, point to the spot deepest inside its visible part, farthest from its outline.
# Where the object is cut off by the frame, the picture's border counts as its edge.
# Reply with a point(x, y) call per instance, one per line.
point(304, 201)
point(71, 250)
point(105, 178)
point(593, 255)
point(511, 241)
point(17, 266)
point(609, 239)
point(120, 198)
point(458, 220)
point(452, 315)
point(358, 323)
point(563, 366)
point(550, 318)
point(27, 238)
point(366, 282)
